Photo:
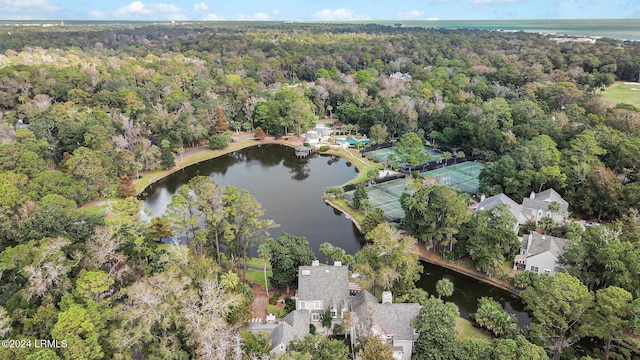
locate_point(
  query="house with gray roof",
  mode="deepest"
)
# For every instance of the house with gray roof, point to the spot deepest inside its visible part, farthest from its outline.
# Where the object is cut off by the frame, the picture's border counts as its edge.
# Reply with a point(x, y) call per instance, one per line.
point(536, 206)
point(514, 208)
point(533, 208)
point(540, 253)
point(389, 321)
point(322, 287)
point(293, 326)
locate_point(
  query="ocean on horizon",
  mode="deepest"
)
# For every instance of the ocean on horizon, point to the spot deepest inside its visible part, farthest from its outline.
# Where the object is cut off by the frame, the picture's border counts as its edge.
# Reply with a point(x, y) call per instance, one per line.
point(621, 29)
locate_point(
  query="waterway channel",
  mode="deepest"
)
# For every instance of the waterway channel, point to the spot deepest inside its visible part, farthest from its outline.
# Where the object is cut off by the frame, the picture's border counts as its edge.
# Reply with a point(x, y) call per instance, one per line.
point(291, 189)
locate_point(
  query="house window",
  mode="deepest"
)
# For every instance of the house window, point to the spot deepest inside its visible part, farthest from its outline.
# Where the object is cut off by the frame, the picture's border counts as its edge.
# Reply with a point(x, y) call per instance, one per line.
point(315, 317)
point(535, 269)
point(302, 305)
point(317, 304)
point(334, 313)
point(547, 272)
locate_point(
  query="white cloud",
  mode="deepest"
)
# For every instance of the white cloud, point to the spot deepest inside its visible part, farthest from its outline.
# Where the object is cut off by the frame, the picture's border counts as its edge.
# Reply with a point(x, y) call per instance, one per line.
point(413, 14)
point(200, 7)
point(275, 12)
point(14, 5)
point(255, 17)
point(212, 17)
point(29, 9)
point(338, 14)
point(139, 9)
point(432, 19)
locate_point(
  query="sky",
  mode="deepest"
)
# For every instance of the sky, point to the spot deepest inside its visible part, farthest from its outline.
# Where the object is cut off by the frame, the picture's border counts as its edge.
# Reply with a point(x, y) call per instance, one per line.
point(317, 10)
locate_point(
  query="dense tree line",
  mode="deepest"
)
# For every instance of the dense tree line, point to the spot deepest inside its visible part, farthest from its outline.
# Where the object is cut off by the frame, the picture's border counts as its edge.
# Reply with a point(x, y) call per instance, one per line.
point(83, 110)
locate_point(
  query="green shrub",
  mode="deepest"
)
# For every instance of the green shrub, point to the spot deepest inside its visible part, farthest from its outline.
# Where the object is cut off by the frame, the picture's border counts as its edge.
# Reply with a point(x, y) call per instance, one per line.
point(524, 279)
point(272, 309)
point(274, 298)
point(289, 306)
point(334, 192)
point(324, 148)
point(220, 141)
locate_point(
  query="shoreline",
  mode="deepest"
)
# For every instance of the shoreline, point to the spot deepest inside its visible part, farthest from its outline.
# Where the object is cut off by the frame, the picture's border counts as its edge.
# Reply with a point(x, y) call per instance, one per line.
point(193, 159)
point(204, 153)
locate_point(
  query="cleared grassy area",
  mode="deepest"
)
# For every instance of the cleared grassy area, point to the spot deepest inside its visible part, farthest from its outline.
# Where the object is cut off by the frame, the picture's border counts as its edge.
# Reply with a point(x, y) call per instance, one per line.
point(257, 277)
point(623, 93)
point(466, 330)
point(252, 262)
point(96, 208)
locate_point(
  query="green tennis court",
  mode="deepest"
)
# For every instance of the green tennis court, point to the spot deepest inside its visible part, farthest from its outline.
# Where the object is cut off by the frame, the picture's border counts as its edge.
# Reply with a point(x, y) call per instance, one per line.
point(387, 197)
point(382, 155)
point(463, 176)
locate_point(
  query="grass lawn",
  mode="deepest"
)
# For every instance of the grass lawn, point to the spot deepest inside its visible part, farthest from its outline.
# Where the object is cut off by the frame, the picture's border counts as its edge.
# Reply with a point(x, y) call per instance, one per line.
point(466, 330)
point(257, 277)
point(622, 93)
point(97, 208)
point(255, 263)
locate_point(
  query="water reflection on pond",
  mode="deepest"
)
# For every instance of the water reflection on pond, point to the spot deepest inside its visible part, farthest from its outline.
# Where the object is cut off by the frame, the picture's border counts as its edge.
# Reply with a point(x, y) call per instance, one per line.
point(467, 291)
point(291, 190)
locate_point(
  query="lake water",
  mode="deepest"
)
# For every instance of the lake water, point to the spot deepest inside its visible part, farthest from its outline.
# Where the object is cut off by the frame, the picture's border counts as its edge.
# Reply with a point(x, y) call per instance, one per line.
point(291, 189)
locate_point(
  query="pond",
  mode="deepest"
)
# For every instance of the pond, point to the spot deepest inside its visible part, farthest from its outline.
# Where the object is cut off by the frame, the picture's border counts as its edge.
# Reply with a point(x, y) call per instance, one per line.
point(467, 291)
point(291, 190)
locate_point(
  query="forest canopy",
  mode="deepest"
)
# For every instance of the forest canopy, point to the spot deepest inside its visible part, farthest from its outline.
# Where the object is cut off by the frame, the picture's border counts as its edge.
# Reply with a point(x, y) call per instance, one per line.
point(83, 110)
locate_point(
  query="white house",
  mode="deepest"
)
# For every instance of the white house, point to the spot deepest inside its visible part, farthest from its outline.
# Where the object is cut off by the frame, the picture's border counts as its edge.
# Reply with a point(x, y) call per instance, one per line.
point(533, 208)
point(536, 206)
point(541, 253)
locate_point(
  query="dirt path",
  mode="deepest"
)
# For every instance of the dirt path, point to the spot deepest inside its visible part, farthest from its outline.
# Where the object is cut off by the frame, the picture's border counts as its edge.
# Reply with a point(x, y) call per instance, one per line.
point(259, 303)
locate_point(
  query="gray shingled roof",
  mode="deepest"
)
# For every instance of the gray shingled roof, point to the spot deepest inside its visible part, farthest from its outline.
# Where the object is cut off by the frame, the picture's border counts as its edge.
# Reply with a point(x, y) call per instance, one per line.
point(294, 325)
point(543, 243)
point(323, 282)
point(390, 319)
point(489, 203)
point(542, 200)
point(258, 327)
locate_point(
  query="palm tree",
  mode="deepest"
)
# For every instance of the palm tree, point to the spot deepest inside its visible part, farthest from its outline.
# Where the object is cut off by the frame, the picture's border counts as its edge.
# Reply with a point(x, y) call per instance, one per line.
point(446, 155)
point(326, 249)
point(264, 252)
point(444, 288)
point(230, 280)
point(459, 155)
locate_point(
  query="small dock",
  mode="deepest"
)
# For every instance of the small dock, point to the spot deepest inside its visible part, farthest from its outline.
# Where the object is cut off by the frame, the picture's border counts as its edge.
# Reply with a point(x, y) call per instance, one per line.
point(303, 151)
